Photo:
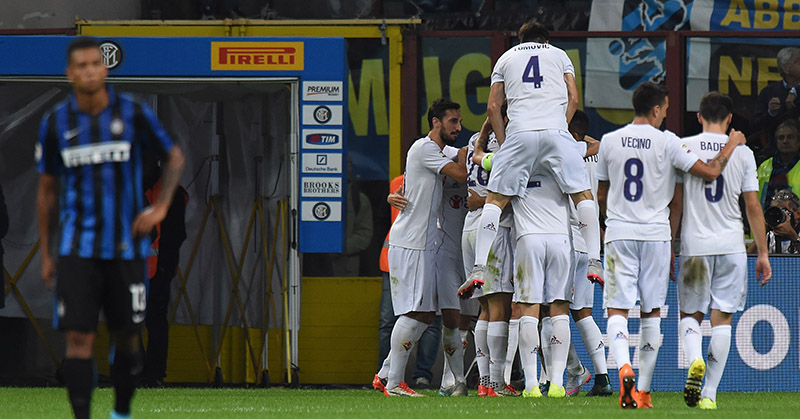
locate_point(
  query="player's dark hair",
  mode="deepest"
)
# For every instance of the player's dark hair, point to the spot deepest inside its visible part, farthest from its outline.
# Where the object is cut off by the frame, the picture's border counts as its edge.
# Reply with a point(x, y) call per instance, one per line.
point(715, 107)
point(579, 124)
point(533, 31)
point(439, 109)
point(647, 96)
point(83, 42)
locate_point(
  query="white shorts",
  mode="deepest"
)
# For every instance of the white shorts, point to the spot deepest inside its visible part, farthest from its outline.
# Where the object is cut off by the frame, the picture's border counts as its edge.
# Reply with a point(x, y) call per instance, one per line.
point(542, 266)
point(719, 281)
point(470, 307)
point(634, 270)
point(412, 276)
point(530, 152)
point(449, 276)
point(582, 288)
point(499, 266)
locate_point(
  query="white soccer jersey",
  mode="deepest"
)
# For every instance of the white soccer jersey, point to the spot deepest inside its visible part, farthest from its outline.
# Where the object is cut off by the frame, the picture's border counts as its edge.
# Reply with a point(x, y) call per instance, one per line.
point(578, 243)
point(533, 77)
point(542, 209)
point(712, 219)
point(415, 226)
point(477, 179)
point(451, 217)
point(639, 162)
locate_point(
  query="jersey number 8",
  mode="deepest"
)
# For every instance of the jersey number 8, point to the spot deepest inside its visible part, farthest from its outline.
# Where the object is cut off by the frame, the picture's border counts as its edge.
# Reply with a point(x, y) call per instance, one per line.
point(633, 186)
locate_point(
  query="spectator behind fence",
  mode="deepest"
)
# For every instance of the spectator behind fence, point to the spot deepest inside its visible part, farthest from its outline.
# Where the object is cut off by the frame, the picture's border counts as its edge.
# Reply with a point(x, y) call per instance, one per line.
point(781, 170)
point(779, 97)
point(783, 223)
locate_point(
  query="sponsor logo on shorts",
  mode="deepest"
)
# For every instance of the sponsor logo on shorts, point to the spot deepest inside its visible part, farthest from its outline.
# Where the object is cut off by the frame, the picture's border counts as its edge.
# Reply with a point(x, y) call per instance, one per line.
point(620, 335)
point(264, 56)
point(648, 347)
point(554, 340)
point(490, 226)
point(407, 345)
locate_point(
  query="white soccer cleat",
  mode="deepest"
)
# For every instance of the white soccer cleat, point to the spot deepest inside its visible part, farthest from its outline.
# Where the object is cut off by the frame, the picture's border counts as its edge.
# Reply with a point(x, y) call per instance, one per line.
point(402, 390)
point(575, 382)
point(474, 281)
point(594, 272)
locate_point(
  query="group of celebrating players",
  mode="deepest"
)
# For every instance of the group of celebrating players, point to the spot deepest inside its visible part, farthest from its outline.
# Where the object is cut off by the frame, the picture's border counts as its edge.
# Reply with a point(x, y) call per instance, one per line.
point(541, 260)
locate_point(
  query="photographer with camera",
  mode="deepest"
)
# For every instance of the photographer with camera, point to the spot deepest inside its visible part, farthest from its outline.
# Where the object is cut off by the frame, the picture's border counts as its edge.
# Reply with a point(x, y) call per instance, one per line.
point(783, 223)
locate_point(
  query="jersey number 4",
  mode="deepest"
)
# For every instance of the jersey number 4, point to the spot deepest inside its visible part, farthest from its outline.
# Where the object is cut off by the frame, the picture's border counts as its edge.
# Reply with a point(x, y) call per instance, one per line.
point(532, 73)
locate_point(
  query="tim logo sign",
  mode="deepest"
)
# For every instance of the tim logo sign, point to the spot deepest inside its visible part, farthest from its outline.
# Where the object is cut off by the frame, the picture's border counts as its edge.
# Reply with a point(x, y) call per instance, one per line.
point(322, 138)
point(262, 56)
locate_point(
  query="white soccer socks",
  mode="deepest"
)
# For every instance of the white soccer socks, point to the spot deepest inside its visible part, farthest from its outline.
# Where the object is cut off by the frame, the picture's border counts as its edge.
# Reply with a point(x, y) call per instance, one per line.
point(487, 231)
point(648, 351)
point(454, 352)
point(511, 351)
point(559, 348)
point(617, 330)
point(528, 349)
point(405, 334)
point(587, 215)
point(593, 341)
point(482, 351)
point(544, 343)
point(718, 350)
point(692, 338)
point(497, 338)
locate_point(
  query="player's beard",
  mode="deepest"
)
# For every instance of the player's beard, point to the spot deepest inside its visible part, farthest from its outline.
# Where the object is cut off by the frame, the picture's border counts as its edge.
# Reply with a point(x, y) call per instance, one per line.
point(447, 137)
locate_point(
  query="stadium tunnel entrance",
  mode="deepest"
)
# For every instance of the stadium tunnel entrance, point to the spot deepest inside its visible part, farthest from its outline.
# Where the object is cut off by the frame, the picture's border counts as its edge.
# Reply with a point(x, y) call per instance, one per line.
point(237, 289)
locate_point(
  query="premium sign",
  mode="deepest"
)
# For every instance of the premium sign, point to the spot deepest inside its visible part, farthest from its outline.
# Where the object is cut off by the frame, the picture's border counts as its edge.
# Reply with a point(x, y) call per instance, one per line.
point(263, 56)
point(323, 91)
point(321, 187)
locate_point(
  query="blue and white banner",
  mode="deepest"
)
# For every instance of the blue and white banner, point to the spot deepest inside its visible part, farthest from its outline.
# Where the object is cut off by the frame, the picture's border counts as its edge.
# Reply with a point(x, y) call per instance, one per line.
point(764, 354)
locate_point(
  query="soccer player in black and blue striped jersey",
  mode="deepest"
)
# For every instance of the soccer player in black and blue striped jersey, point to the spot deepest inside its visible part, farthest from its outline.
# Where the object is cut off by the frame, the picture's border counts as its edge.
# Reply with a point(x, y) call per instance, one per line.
point(90, 159)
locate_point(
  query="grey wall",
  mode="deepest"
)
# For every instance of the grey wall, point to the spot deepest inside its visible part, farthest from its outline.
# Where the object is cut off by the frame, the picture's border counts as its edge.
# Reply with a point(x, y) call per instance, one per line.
point(37, 14)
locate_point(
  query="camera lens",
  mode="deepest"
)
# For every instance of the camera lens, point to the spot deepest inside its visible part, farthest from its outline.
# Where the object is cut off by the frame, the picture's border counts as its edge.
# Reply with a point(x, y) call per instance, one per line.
point(774, 216)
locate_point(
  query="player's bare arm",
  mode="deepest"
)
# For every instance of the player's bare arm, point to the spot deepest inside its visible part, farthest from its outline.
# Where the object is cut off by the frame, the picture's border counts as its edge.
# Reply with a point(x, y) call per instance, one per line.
point(675, 214)
point(497, 96)
point(46, 204)
point(592, 145)
point(602, 195)
point(155, 213)
point(572, 96)
point(475, 201)
point(711, 170)
point(455, 171)
point(756, 219)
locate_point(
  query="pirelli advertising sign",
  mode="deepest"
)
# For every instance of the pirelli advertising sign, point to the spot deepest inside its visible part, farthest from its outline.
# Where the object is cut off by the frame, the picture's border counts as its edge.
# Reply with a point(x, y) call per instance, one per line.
point(257, 56)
